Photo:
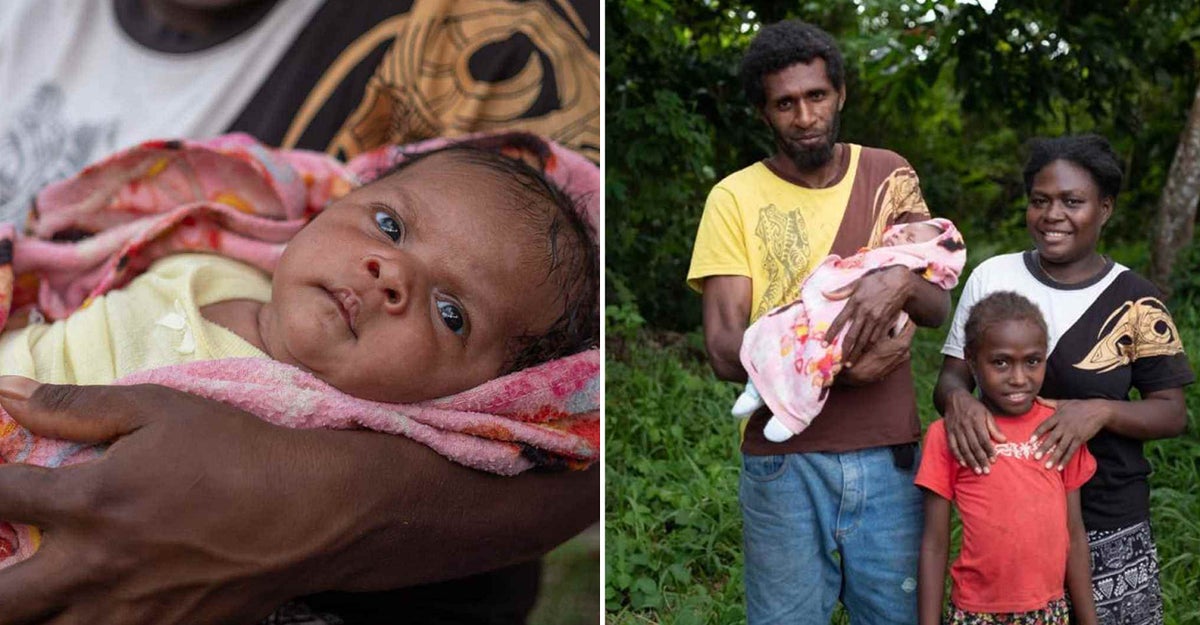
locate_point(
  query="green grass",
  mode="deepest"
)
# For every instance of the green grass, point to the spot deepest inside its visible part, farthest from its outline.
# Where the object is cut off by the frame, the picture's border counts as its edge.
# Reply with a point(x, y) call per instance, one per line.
point(673, 530)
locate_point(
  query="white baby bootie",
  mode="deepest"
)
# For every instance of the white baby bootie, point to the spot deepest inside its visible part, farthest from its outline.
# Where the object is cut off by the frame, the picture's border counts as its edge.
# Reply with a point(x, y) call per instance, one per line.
point(775, 431)
point(747, 402)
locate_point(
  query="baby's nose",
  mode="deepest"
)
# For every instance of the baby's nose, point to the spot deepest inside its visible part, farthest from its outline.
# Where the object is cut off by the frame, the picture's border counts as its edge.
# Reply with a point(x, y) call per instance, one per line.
point(393, 279)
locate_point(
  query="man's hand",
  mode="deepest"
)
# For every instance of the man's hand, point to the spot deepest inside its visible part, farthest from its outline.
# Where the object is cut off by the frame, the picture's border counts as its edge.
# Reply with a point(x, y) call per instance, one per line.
point(1073, 424)
point(880, 360)
point(872, 304)
point(172, 525)
point(970, 430)
point(199, 513)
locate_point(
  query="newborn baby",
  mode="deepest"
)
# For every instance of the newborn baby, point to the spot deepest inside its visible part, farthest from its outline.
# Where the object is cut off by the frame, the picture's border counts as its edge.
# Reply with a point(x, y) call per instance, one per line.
point(784, 352)
point(413, 287)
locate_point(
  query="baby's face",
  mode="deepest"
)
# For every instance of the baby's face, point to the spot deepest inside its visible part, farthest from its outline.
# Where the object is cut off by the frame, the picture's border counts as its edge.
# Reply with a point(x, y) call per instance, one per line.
point(919, 232)
point(410, 288)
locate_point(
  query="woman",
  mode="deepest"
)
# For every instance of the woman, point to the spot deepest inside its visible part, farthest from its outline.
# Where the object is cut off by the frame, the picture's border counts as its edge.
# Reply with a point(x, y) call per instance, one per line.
point(1109, 332)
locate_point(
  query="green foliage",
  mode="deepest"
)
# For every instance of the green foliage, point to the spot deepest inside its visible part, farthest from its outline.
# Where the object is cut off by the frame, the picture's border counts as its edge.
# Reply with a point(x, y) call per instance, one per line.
point(953, 88)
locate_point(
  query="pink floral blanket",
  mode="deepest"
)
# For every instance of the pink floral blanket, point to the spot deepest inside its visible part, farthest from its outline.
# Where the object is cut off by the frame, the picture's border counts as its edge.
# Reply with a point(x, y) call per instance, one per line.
point(232, 196)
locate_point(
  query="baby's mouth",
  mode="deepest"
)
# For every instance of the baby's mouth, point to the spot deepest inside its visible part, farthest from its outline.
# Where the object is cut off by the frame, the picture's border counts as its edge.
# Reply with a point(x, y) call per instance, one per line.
point(348, 307)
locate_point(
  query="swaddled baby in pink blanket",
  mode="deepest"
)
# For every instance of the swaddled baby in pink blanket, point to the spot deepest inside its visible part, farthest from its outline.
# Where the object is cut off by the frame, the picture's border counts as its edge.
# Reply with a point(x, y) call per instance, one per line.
point(785, 354)
point(412, 297)
point(459, 266)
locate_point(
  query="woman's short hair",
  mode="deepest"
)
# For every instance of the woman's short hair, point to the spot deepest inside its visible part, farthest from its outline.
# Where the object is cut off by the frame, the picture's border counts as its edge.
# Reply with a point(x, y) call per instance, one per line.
point(1091, 152)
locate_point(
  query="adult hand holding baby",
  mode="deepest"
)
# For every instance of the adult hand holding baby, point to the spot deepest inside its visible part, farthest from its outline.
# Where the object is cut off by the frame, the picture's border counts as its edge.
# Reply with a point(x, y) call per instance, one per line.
point(873, 302)
point(201, 513)
point(881, 359)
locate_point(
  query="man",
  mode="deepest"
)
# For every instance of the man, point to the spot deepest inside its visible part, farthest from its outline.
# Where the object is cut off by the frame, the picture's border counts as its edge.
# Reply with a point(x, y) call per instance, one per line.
point(831, 513)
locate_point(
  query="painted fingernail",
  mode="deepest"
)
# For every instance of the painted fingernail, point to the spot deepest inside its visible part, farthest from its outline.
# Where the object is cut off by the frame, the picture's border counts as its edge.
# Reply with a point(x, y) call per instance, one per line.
point(16, 387)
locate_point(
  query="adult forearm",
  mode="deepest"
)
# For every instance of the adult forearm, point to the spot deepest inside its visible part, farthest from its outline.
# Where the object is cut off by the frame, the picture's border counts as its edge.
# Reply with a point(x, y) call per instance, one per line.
point(406, 515)
point(1159, 415)
point(951, 379)
point(724, 357)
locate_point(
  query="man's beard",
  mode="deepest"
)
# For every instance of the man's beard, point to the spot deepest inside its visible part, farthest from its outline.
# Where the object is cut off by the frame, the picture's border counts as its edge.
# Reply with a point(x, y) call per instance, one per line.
point(807, 159)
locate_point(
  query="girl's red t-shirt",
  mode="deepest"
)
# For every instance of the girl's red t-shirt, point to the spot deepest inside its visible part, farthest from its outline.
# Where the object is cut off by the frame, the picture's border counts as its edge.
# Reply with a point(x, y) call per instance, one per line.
point(1015, 538)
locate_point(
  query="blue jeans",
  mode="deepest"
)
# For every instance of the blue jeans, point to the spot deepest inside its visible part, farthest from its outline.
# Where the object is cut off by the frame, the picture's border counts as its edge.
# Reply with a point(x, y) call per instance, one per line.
point(819, 527)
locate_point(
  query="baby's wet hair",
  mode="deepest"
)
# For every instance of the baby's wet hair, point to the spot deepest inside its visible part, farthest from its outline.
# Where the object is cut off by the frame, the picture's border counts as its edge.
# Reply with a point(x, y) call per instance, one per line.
point(571, 255)
point(996, 308)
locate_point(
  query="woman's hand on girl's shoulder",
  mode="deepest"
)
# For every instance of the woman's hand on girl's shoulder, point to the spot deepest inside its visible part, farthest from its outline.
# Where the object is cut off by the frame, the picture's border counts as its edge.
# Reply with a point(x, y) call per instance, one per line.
point(1073, 424)
point(970, 430)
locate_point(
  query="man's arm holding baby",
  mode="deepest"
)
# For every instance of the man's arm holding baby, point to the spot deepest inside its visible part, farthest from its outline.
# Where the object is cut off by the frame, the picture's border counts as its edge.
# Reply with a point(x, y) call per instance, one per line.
point(873, 303)
point(200, 513)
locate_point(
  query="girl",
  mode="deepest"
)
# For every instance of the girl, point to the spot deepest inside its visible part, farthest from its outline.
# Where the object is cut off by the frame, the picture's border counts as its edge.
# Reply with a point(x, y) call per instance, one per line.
point(1023, 533)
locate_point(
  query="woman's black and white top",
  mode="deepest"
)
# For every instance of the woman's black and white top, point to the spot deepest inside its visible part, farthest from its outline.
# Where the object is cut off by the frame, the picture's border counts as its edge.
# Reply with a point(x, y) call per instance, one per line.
point(1108, 335)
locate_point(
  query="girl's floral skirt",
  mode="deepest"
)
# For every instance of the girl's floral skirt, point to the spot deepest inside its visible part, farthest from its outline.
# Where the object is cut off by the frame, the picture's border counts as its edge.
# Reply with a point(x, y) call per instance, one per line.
point(1055, 613)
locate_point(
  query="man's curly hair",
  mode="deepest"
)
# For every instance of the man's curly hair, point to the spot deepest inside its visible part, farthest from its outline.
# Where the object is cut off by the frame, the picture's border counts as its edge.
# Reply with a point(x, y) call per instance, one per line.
point(782, 45)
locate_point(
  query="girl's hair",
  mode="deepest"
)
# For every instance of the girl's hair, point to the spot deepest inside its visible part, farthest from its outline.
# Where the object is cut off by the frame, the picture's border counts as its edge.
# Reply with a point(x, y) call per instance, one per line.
point(1091, 152)
point(571, 254)
point(996, 308)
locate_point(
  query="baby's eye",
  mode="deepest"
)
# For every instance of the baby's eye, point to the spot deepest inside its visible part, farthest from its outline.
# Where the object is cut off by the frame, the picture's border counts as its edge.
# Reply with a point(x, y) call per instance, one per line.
point(388, 225)
point(451, 316)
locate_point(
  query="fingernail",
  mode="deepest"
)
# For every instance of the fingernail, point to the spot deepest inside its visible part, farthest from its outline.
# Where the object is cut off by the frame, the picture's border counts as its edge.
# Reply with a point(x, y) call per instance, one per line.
point(1037, 456)
point(1033, 439)
point(1060, 467)
point(987, 470)
point(977, 471)
point(1049, 465)
point(16, 387)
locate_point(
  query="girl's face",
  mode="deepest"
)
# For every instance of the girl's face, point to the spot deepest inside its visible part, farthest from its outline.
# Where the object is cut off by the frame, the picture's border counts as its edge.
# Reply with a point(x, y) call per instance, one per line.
point(412, 287)
point(1066, 213)
point(1009, 365)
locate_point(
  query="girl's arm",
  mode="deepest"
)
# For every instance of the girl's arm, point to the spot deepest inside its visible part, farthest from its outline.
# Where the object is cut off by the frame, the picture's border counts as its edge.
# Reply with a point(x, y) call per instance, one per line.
point(935, 545)
point(1079, 565)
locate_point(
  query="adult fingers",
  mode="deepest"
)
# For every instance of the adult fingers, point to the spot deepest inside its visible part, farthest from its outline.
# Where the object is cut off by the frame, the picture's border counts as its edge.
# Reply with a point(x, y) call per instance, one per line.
point(31, 591)
point(971, 446)
point(86, 414)
point(994, 433)
point(1048, 442)
point(1042, 428)
point(1063, 454)
point(841, 293)
point(981, 426)
point(955, 449)
point(35, 495)
point(840, 321)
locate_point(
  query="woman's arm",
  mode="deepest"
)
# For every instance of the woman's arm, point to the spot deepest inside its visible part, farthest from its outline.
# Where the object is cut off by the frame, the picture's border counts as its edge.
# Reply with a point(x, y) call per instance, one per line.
point(1159, 414)
point(1079, 565)
point(970, 427)
point(935, 547)
point(200, 513)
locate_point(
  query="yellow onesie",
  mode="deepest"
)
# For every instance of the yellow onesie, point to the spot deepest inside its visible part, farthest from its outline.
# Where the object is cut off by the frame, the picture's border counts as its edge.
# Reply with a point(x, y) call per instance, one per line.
point(154, 321)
